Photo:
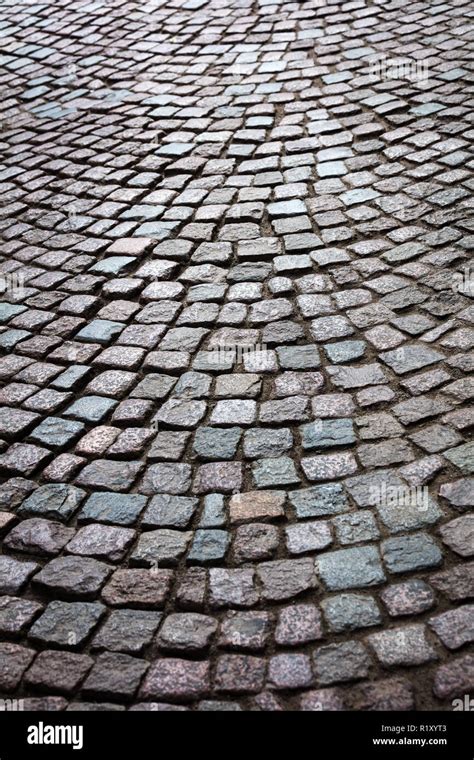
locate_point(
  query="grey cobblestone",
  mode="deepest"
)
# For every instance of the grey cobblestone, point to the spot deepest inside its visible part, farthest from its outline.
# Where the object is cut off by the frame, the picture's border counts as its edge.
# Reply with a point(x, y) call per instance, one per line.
point(236, 356)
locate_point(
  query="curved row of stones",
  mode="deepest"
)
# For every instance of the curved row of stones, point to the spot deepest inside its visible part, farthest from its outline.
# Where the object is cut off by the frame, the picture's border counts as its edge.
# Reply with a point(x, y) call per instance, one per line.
point(237, 357)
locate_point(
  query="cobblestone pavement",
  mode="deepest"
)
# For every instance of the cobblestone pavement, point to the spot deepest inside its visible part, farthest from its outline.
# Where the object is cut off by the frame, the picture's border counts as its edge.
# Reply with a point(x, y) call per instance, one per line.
point(236, 355)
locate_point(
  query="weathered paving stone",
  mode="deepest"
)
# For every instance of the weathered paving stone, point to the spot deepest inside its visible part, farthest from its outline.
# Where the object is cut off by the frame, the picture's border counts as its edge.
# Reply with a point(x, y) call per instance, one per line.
point(7, 519)
point(15, 574)
point(62, 672)
point(113, 508)
point(38, 536)
point(256, 541)
point(348, 612)
point(308, 537)
point(208, 546)
point(213, 514)
point(458, 535)
point(48, 704)
point(114, 675)
point(187, 632)
point(15, 490)
point(355, 527)
point(234, 412)
point(244, 630)
point(416, 409)
point(332, 405)
point(239, 674)
point(285, 579)
point(157, 706)
point(370, 489)
point(192, 588)
point(338, 663)
point(100, 331)
point(408, 598)
point(286, 410)
point(274, 471)
point(407, 509)
point(232, 588)
point(66, 624)
point(181, 413)
point(109, 475)
point(357, 567)
point(345, 351)
point(290, 671)
point(324, 434)
point(79, 577)
point(262, 442)
point(176, 679)
point(16, 422)
point(168, 445)
point(458, 493)
point(106, 542)
point(256, 505)
point(402, 646)
point(410, 553)
point(462, 457)
point(455, 627)
point(319, 501)
point(128, 631)
point(216, 443)
point(357, 377)
point(136, 588)
point(166, 478)
point(435, 438)
point(57, 501)
point(298, 624)
point(322, 700)
point(389, 694)
point(329, 466)
point(91, 409)
point(16, 614)
point(56, 432)
point(162, 546)
point(455, 584)
point(298, 357)
point(294, 383)
point(14, 660)
point(166, 511)
point(238, 385)
point(454, 678)
point(218, 476)
point(325, 328)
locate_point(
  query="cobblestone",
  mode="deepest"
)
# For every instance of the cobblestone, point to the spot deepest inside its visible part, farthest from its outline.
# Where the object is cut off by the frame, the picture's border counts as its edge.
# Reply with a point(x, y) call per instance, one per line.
point(236, 356)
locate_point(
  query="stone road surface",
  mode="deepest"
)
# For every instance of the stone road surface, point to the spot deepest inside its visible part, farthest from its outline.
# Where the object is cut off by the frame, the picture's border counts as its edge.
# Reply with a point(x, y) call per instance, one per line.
point(236, 355)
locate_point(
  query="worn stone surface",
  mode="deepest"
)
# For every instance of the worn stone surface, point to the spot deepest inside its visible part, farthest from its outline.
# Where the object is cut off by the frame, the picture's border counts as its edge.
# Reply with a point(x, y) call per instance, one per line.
point(341, 662)
point(236, 356)
point(402, 646)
